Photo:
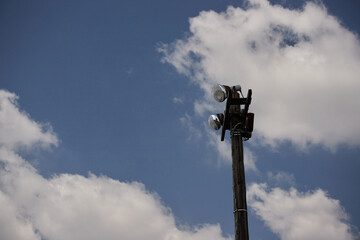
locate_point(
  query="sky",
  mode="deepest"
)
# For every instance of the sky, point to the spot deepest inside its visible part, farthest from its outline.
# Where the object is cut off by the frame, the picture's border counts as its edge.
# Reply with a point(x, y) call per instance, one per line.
point(104, 108)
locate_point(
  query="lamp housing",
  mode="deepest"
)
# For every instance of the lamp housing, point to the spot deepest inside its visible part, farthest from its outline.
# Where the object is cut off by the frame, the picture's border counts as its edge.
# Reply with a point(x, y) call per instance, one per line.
point(220, 92)
point(216, 121)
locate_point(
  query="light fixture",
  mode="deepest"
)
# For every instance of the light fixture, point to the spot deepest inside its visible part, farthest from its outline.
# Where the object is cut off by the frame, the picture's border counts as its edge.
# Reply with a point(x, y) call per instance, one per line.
point(233, 97)
point(220, 92)
point(216, 121)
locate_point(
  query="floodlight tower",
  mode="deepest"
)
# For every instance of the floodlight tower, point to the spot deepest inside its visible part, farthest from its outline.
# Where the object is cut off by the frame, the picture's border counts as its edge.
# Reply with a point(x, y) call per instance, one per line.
point(240, 122)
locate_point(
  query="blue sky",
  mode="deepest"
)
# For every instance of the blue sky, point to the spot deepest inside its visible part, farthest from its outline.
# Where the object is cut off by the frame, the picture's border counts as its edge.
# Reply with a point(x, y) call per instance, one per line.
point(104, 118)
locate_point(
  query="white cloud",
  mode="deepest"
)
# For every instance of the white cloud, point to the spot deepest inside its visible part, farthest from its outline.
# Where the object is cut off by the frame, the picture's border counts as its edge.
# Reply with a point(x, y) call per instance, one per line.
point(77, 207)
point(302, 65)
point(187, 122)
point(17, 129)
point(204, 106)
point(178, 100)
point(71, 206)
point(280, 178)
point(13, 226)
point(300, 216)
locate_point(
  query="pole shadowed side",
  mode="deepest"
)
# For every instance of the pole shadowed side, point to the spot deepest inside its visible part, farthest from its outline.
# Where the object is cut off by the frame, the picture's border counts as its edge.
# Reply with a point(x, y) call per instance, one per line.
point(238, 171)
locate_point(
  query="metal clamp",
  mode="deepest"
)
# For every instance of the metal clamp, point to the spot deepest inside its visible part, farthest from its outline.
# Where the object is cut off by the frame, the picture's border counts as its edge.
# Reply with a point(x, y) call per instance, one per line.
point(240, 210)
point(236, 131)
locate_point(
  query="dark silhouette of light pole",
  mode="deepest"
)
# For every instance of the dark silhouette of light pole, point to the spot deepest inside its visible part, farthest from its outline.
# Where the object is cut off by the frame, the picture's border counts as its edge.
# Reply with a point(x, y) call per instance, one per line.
point(240, 122)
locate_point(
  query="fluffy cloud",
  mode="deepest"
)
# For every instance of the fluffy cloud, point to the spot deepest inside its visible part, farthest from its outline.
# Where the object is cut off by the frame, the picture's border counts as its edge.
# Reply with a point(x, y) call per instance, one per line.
point(302, 65)
point(281, 178)
point(17, 129)
point(12, 225)
point(77, 207)
point(298, 216)
point(70, 206)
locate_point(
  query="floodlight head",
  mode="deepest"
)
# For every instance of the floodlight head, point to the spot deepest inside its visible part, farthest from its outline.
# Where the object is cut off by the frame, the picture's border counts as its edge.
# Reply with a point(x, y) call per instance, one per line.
point(220, 92)
point(216, 121)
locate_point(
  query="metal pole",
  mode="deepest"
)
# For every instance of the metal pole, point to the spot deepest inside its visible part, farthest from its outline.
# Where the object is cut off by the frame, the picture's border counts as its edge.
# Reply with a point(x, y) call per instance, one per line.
point(238, 170)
